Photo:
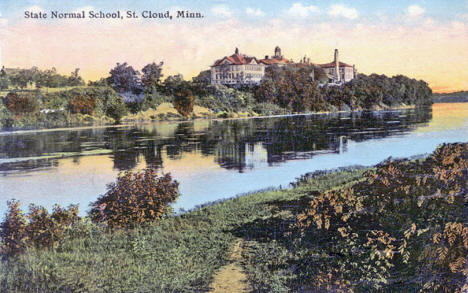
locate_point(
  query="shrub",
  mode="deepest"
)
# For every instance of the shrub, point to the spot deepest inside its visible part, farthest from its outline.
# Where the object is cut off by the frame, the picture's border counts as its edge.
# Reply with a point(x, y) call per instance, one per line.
point(13, 230)
point(136, 198)
point(82, 104)
point(45, 230)
point(39, 229)
point(21, 103)
point(404, 221)
point(183, 102)
point(268, 109)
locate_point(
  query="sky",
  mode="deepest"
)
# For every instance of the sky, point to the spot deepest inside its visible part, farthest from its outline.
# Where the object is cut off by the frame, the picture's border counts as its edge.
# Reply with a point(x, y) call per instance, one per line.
point(423, 39)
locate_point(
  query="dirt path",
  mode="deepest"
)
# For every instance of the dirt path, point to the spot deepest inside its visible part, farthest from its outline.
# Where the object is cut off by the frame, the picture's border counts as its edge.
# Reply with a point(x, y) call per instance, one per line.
point(231, 278)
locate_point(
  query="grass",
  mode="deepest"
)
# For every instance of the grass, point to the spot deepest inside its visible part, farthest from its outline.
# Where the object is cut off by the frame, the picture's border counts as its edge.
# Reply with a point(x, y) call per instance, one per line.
point(180, 254)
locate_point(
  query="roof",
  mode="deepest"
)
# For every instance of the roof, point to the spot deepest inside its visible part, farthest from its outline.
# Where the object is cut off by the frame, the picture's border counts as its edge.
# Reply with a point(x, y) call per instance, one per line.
point(332, 64)
point(271, 61)
point(236, 59)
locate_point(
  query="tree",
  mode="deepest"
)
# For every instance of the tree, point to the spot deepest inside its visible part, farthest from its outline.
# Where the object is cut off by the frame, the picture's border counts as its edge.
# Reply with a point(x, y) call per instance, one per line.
point(135, 198)
point(115, 107)
point(125, 79)
point(4, 79)
point(183, 102)
point(75, 78)
point(174, 83)
point(151, 76)
point(21, 103)
point(201, 83)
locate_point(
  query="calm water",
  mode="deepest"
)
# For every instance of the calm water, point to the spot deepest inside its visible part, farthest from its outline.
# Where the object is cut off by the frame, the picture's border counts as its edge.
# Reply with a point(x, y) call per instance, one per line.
point(215, 159)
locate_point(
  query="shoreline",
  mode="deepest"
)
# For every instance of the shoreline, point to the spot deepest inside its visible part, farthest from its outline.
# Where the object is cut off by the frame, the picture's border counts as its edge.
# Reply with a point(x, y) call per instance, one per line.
point(145, 122)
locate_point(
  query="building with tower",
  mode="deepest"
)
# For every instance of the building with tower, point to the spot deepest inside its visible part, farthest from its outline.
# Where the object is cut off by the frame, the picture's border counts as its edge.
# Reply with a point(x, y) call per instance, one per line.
point(277, 59)
point(239, 69)
point(339, 72)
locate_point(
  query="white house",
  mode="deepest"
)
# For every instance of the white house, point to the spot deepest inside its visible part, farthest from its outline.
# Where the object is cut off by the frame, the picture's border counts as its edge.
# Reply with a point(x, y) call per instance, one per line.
point(237, 69)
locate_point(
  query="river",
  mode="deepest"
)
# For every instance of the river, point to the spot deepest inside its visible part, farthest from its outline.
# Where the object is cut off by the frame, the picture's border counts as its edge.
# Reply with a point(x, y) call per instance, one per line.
point(215, 159)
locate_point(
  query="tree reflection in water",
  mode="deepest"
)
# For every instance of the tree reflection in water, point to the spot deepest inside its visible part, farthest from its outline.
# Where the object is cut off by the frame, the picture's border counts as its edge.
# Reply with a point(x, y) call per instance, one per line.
point(235, 144)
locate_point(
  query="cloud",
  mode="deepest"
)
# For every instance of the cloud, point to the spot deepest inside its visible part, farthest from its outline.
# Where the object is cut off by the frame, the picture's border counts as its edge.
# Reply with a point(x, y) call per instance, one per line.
point(35, 8)
point(299, 10)
point(254, 11)
point(415, 10)
point(189, 47)
point(338, 10)
point(221, 10)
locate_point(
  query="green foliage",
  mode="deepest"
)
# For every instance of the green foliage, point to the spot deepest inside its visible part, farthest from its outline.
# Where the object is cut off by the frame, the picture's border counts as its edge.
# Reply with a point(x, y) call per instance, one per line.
point(6, 117)
point(296, 89)
point(176, 254)
point(135, 199)
point(124, 78)
point(4, 79)
point(225, 99)
point(151, 75)
point(23, 78)
point(268, 109)
point(153, 98)
point(292, 88)
point(75, 78)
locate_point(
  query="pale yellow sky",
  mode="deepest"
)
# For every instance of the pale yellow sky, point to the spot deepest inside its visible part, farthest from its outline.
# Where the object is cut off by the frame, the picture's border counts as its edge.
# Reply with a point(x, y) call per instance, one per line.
point(435, 52)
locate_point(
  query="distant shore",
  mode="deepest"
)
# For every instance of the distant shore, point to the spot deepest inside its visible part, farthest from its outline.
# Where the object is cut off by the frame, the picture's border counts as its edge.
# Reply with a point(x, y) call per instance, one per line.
point(180, 119)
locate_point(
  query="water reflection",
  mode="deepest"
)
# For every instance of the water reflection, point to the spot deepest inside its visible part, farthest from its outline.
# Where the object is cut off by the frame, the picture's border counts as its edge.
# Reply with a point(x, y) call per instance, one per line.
point(235, 144)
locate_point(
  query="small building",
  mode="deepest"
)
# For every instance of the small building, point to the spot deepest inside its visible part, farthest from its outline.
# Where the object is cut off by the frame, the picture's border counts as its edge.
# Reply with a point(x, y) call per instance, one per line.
point(237, 69)
point(339, 72)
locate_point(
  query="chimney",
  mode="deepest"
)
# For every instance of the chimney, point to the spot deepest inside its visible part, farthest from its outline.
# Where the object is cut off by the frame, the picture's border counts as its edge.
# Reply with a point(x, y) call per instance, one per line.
point(266, 56)
point(236, 51)
point(337, 66)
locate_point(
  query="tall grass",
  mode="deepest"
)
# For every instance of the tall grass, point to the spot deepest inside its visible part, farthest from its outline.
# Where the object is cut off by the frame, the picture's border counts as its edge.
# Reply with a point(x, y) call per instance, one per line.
point(179, 254)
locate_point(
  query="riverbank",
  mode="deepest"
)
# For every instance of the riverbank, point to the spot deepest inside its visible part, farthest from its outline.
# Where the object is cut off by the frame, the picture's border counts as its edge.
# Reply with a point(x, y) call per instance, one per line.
point(377, 224)
point(167, 113)
point(181, 253)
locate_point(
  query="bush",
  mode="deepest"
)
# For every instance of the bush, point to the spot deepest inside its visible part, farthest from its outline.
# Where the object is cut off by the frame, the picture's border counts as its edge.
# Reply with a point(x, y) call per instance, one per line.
point(268, 109)
point(21, 103)
point(39, 229)
point(45, 230)
point(136, 198)
point(404, 221)
point(183, 102)
point(13, 230)
point(6, 117)
point(82, 104)
point(225, 99)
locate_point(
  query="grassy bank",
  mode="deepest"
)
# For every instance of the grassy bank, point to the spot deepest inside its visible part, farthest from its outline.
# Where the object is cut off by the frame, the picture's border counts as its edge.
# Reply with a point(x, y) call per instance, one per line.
point(400, 226)
point(181, 254)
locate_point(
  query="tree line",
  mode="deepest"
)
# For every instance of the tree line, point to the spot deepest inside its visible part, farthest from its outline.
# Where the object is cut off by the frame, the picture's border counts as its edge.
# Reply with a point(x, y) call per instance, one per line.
point(287, 89)
point(22, 78)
